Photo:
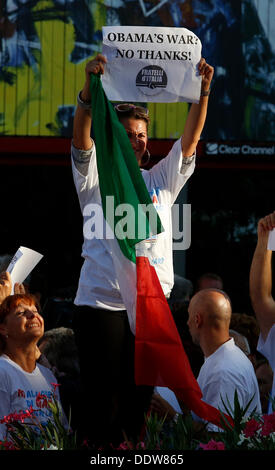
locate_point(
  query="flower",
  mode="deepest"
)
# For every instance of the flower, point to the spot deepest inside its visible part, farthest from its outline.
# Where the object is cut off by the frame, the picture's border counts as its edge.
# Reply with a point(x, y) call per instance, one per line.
point(7, 445)
point(14, 417)
point(52, 434)
point(268, 424)
point(123, 446)
point(141, 445)
point(55, 386)
point(4, 420)
point(29, 412)
point(251, 427)
point(42, 401)
point(213, 445)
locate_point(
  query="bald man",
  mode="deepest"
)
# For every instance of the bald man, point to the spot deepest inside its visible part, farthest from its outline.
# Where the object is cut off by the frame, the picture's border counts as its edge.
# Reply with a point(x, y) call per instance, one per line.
point(226, 368)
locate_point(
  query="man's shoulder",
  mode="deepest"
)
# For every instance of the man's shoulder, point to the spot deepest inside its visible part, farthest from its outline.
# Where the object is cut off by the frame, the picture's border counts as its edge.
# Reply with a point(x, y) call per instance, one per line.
point(228, 357)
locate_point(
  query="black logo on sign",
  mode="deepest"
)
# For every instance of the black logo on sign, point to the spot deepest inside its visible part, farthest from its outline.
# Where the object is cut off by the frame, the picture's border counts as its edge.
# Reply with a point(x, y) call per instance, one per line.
point(151, 79)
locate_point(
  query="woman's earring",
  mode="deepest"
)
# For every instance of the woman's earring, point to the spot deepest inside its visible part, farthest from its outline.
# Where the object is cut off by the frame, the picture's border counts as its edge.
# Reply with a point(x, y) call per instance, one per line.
point(148, 158)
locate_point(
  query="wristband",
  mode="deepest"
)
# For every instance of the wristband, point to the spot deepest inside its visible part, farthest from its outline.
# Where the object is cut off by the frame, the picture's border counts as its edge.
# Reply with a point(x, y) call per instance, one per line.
point(187, 160)
point(205, 93)
point(83, 104)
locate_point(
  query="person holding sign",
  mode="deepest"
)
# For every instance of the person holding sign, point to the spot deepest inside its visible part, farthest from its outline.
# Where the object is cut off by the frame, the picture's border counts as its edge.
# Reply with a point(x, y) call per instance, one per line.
point(260, 285)
point(193, 127)
point(105, 341)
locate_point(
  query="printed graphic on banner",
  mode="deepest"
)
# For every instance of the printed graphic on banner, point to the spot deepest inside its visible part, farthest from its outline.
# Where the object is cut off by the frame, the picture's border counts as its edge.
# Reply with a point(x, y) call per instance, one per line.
point(151, 79)
point(161, 64)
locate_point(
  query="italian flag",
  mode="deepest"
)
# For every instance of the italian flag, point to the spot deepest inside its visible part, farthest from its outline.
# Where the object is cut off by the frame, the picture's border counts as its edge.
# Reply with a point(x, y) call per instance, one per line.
point(160, 359)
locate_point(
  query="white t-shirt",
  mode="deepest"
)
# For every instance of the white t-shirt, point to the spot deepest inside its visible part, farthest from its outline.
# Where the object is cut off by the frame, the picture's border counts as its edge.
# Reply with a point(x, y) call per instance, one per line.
point(170, 397)
point(226, 370)
point(19, 390)
point(98, 286)
point(267, 349)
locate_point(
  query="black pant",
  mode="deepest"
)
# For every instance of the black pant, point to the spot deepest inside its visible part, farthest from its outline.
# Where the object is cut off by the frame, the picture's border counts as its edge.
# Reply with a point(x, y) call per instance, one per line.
point(111, 402)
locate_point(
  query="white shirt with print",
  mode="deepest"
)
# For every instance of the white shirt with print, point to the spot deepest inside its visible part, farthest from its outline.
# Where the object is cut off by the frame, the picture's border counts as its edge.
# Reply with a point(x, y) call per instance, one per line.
point(20, 390)
point(98, 286)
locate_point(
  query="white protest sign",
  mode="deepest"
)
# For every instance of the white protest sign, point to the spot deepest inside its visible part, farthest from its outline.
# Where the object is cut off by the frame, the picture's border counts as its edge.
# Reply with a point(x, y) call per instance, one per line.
point(271, 240)
point(151, 64)
point(21, 265)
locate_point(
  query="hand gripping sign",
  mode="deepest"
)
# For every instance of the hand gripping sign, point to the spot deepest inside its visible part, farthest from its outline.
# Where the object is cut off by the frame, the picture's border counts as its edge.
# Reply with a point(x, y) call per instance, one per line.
point(151, 64)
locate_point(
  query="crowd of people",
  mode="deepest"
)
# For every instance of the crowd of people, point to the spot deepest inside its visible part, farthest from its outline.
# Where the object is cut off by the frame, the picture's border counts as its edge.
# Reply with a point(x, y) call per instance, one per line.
point(93, 358)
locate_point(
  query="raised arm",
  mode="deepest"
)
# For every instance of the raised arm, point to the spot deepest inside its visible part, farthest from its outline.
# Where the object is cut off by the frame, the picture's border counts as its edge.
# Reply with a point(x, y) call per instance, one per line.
point(197, 113)
point(83, 115)
point(260, 282)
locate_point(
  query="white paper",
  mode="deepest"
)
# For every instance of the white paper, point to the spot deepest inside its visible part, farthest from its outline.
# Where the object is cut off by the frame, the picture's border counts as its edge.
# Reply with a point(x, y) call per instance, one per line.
point(151, 64)
point(21, 265)
point(271, 240)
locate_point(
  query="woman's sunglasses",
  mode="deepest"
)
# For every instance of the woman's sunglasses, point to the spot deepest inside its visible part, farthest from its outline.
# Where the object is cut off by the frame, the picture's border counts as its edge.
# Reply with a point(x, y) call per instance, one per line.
point(125, 107)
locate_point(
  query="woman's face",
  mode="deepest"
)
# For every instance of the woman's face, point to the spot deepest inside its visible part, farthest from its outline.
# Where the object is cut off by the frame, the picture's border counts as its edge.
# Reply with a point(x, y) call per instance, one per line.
point(23, 323)
point(137, 132)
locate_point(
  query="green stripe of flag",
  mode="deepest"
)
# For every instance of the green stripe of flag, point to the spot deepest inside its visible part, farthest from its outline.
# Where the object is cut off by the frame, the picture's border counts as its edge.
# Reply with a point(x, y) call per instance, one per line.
point(120, 176)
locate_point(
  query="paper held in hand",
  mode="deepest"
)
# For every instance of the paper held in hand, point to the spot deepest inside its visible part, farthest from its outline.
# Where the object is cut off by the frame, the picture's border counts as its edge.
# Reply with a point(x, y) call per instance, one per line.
point(151, 64)
point(271, 240)
point(22, 264)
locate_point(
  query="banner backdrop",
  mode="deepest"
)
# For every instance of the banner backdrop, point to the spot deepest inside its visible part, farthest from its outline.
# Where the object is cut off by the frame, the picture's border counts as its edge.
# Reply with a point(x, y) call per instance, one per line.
point(151, 64)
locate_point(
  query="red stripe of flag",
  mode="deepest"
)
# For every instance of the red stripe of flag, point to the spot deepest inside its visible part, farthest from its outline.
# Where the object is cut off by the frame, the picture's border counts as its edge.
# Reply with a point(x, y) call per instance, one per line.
point(160, 358)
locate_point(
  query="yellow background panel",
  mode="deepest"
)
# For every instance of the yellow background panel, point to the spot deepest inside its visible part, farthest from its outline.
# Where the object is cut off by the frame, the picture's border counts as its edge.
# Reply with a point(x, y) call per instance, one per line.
point(21, 104)
point(47, 77)
point(2, 107)
point(9, 106)
point(31, 104)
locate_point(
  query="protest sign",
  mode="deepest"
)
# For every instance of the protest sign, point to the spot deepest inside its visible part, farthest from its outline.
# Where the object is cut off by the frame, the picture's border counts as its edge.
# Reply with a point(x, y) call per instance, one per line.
point(271, 240)
point(21, 265)
point(151, 64)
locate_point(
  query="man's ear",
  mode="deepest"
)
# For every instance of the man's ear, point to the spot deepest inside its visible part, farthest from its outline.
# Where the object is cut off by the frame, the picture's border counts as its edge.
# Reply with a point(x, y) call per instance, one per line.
point(198, 320)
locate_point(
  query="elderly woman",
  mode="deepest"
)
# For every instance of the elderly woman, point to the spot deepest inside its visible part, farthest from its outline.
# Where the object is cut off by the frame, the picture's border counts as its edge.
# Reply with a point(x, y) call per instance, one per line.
point(24, 384)
point(105, 342)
